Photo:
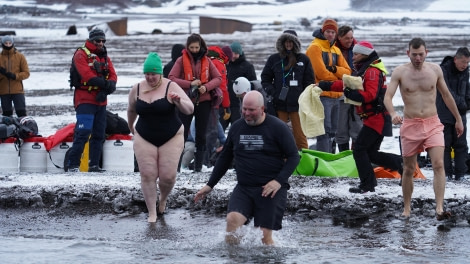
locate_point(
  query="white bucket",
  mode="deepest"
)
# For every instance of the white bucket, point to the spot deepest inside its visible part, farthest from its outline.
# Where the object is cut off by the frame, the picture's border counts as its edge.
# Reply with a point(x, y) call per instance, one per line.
point(56, 156)
point(8, 156)
point(118, 155)
point(33, 156)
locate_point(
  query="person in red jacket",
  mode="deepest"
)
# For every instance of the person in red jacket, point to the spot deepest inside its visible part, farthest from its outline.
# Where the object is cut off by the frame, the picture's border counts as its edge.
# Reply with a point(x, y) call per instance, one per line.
point(197, 75)
point(376, 119)
point(98, 80)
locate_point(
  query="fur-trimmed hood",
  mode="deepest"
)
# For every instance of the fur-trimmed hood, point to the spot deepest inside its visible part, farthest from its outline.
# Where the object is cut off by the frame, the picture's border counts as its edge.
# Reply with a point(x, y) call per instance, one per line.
point(282, 39)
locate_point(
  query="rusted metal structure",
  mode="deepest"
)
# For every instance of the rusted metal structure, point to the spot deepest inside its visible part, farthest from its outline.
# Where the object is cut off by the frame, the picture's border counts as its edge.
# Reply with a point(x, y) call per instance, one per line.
point(209, 25)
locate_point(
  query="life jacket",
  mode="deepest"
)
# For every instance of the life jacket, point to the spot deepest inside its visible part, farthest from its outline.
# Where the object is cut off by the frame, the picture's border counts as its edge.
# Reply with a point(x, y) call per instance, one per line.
point(377, 106)
point(76, 79)
point(188, 69)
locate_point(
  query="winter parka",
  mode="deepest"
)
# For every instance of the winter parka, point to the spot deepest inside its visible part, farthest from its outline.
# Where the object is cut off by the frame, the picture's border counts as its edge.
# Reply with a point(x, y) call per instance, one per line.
point(238, 68)
point(274, 76)
point(459, 86)
point(322, 53)
point(15, 62)
point(93, 79)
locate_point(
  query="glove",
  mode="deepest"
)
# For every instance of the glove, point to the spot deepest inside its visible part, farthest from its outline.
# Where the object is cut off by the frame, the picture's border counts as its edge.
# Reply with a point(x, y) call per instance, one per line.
point(331, 68)
point(227, 113)
point(353, 95)
point(10, 75)
point(101, 96)
point(110, 87)
point(325, 85)
point(3, 70)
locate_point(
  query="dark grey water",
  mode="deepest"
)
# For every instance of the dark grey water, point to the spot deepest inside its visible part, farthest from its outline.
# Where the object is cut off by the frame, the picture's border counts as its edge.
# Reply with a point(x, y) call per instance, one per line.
point(193, 237)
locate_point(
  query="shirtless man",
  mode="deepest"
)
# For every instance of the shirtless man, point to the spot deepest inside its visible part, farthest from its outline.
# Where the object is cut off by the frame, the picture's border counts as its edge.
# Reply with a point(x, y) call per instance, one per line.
point(421, 130)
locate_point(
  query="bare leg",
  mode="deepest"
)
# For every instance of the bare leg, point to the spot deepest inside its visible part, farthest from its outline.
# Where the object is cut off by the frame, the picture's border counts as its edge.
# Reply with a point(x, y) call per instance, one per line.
point(267, 236)
point(168, 158)
point(234, 221)
point(147, 155)
point(409, 166)
point(439, 183)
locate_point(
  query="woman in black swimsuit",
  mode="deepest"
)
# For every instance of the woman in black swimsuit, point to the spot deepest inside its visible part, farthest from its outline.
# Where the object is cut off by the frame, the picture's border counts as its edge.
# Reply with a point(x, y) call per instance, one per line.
point(158, 133)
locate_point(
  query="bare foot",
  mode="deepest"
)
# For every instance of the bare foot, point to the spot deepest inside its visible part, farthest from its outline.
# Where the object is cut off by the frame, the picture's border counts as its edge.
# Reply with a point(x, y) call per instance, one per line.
point(161, 208)
point(405, 214)
point(152, 219)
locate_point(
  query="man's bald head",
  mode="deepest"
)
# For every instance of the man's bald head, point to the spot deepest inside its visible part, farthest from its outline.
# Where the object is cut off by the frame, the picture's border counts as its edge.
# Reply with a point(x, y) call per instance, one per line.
point(253, 108)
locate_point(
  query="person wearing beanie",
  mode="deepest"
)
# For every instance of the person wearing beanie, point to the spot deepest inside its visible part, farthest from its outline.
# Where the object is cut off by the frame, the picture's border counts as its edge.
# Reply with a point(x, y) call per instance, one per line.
point(285, 76)
point(13, 70)
point(158, 133)
point(94, 78)
point(237, 67)
point(236, 48)
point(197, 75)
point(376, 120)
point(349, 123)
point(175, 54)
point(329, 65)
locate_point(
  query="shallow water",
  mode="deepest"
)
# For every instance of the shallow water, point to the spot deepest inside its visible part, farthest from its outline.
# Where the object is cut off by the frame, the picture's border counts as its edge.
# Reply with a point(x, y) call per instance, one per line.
point(189, 237)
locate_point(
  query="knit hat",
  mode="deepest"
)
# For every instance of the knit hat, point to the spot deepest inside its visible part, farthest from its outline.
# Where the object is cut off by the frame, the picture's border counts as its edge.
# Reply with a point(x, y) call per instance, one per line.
point(7, 38)
point(330, 24)
point(236, 48)
point(290, 31)
point(96, 34)
point(363, 47)
point(153, 64)
point(228, 51)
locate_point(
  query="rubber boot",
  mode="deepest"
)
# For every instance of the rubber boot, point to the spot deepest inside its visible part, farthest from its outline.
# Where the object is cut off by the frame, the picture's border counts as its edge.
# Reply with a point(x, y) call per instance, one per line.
point(198, 159)
point(343, 147)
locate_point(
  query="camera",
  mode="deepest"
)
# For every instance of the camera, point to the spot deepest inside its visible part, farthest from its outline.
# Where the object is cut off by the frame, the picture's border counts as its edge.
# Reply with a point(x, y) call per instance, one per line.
point(283, 94)
point(194, 91)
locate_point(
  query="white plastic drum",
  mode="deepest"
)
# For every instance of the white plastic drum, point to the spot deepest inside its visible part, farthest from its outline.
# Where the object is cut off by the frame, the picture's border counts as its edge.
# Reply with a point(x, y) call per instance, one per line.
point(33, 155)
point(118, 153)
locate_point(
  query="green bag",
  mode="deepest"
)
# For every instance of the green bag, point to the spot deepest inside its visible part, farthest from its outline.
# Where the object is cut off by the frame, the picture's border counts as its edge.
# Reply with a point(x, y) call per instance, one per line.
point(318, 163)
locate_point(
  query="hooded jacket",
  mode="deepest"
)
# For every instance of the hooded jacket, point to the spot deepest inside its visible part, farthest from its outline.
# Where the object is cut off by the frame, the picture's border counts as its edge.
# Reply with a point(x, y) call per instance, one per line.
point(15, 62)
point(93, 81)
point(175, 54)
point(274, 76)
point(220, 61)
point(238, 68)
point(459, 87)
point(322, 53)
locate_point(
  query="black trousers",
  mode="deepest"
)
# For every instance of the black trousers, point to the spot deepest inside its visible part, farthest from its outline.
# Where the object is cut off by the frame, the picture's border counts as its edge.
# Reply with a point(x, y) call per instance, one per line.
point(366, 151)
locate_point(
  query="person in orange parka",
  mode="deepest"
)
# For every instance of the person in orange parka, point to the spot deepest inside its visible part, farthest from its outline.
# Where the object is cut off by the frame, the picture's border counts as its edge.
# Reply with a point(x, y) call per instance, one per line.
point(328, 65)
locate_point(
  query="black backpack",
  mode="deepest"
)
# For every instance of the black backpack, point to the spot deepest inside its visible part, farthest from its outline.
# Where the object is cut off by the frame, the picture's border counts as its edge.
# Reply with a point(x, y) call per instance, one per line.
point(116, 124)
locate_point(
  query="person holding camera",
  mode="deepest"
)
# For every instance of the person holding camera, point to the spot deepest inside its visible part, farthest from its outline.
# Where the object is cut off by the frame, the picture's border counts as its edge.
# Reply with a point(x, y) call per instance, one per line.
point(284, 78)
point(197, 75)
point(97, 80)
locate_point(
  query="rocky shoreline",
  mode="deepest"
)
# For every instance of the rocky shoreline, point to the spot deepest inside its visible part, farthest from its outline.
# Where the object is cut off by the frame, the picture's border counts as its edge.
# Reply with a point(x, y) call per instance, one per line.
point(309, 197)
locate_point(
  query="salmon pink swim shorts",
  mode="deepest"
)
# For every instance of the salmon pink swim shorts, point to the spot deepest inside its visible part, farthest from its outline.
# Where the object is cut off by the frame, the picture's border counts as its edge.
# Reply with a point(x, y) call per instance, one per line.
point(417, 135)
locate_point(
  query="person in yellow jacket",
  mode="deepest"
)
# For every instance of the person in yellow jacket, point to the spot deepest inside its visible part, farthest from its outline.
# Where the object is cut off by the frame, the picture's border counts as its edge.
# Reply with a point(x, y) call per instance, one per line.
point(13, 70)
point(328, 65)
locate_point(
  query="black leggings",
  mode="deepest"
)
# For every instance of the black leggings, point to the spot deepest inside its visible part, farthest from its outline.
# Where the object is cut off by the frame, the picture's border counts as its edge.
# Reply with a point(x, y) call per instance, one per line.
point(201, 115)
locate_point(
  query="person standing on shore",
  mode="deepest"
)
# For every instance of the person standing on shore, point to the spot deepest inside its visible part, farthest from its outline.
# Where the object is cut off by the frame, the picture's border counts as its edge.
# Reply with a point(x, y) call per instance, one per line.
point(98, 80)
point(265, 156)
point(456, 75)
point(421, 129)
point(158, 133)
point(197, 75)
point(13, 70)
